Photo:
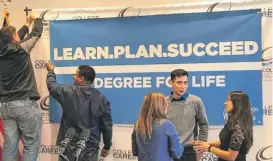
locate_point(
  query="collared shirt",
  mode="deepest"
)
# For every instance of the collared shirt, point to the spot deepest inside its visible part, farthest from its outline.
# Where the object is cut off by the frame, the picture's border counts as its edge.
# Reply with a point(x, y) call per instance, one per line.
point(183, 97)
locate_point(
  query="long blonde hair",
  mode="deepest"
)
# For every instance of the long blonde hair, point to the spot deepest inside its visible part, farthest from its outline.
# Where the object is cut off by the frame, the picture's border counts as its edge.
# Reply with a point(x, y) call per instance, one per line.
point(153, 108)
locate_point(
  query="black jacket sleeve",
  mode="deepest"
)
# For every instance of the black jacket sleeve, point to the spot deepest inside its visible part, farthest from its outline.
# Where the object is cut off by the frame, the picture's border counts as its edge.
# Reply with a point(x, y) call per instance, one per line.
point(29, 42)
point(106, 123)
point(22, 32)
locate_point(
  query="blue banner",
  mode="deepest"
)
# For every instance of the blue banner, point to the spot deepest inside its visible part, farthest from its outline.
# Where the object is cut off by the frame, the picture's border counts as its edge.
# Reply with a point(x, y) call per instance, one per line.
point(134, 56)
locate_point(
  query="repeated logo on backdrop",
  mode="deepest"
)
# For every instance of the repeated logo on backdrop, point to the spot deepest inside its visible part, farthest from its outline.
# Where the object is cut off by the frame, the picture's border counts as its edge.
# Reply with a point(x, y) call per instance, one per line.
point(44, 105)
point(49, 149)
point(122, 154)
point(267, 64)
point(214, 7)
point(40, 64)
point(54, 15)
point(268, 110)
point(264, 154)
point(209, 157)
point(133, 12)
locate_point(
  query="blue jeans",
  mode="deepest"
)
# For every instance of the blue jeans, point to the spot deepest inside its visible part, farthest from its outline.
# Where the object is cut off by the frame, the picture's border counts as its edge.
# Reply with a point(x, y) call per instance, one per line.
point(21, 118)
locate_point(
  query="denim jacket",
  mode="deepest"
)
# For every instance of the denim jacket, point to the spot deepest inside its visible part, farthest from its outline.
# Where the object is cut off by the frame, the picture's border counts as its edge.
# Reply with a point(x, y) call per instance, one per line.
point(162, 146)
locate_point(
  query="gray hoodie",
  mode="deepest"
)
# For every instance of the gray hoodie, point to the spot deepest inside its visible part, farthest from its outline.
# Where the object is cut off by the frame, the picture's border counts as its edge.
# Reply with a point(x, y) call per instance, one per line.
point(17, 79)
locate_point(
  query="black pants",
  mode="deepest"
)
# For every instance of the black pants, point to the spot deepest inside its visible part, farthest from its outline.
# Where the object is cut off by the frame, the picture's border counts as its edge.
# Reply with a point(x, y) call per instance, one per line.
point(88, 154)
point(188, 155)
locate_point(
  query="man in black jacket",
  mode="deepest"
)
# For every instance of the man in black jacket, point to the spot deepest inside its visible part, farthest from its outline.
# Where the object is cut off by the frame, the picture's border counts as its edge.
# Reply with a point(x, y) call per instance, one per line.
point(18, 91)
point(83, 107)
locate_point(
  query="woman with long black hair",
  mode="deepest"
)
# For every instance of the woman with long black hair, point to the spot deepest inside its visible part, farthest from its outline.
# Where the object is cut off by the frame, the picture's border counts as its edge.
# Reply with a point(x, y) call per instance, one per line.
point(236, 138)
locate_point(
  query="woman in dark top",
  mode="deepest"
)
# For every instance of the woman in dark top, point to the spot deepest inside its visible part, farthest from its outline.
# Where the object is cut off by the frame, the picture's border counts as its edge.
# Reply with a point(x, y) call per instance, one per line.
point(236, 138)
point(155, 138)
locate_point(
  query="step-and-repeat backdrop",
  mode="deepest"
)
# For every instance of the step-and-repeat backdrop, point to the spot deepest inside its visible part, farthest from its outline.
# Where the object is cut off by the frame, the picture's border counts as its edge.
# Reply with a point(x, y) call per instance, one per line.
point(134, 49)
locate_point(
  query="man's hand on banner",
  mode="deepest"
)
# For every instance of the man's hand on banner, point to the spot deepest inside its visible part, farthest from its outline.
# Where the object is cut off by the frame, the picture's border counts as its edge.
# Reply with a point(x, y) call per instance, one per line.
point(30, 19)
point(50, 66)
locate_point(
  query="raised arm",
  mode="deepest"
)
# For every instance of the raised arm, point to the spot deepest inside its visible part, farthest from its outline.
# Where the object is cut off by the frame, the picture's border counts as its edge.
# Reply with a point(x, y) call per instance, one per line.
point(55, 89)
point(29, 42)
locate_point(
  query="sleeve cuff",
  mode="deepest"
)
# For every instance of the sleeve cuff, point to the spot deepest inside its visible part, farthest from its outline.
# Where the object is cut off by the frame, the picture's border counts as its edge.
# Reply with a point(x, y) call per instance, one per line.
point(39, 19)
point(202, 139)
point(25, 27)
point(106, 148)
point(50, 71)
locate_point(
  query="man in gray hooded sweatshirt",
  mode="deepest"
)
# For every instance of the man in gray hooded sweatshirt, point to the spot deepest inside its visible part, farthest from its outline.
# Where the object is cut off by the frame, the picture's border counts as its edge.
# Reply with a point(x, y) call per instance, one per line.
point(21, 114)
